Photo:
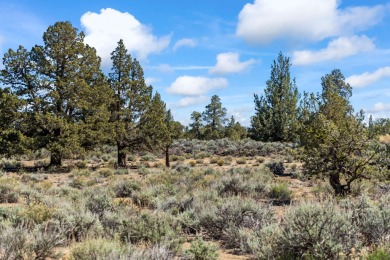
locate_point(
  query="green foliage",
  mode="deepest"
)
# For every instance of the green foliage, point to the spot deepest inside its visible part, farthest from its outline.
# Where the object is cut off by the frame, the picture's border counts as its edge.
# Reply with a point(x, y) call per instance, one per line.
point(276, 111)
point(63, 89)
point(131, 100)
point(276, 168)
point(318, 231)
point(201, 250)
point(379, 254)
point(151, 228)
point(337, 144)
point(215, 118)
point(280, 192)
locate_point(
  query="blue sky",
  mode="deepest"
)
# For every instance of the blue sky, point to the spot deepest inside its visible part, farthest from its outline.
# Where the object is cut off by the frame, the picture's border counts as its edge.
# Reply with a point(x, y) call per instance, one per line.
point(191, 50)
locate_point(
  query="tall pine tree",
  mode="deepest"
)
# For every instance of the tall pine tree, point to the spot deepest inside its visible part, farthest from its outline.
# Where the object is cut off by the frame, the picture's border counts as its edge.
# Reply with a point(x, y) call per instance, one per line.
point(131, 100)
point(215, 118)
point(276, 111)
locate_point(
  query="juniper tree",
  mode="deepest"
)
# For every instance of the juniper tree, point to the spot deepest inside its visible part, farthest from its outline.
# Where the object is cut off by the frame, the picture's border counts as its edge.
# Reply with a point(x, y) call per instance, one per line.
point(131, 99)
point(196, 127)
point(215, 118)
point(57, 81)
point(160, 130)
point(276, 111)
point(234, 130)
point(337, 144)
point(12, 140)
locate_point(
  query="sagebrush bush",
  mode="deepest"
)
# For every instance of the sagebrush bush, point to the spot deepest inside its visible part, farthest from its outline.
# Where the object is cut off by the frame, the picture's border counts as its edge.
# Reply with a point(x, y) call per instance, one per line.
point(99, 249)
point(276, 168)
point(152, 228)
point(241, 161)
point(201, 250)
point(372, 219)
point(280, 192)
point(124, 189)
point(105, 172)
point(222, 220)
point(316, 231)
point(8, 191)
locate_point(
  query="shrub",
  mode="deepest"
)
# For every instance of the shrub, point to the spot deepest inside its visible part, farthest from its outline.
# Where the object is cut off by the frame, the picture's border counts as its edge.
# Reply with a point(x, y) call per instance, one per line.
point(98, 249)
point(221, 162)
point(192, 163)
point(276, 168)
point(199, 161)
point(98, 203)
point(222, 220)
point(260, 160)
point(148, 157)
point(241, 161)
point(372, 219)
point(105, 172)
point(201, 250)
point(379, 254)
point(214, 160)
point(8, 192)
point(152, 229)
point(81, 164)
point(316, 231)
point(280, 193)
point(126, 188)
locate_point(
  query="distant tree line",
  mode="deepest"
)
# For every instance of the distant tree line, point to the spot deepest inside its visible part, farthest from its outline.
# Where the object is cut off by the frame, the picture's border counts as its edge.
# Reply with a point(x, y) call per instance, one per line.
point(55, 96)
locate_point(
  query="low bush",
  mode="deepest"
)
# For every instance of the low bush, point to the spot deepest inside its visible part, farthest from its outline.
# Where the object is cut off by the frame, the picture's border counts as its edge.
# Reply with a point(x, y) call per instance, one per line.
point(156, 228)
point(201, 250)
point(276, 168)
point(280, 193)
point(124, 189)
point(315, 231)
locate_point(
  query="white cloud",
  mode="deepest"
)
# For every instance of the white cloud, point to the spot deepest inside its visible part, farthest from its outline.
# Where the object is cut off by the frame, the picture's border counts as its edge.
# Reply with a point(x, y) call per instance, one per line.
point(168, 68)
point(188, 101)
point(380, 107)
point(266, 20)
point(336, 49)
point(367, 78)
point(194, 86)
point(184, 42)
point(104, 30)
point(150, 81)
point(229, 63)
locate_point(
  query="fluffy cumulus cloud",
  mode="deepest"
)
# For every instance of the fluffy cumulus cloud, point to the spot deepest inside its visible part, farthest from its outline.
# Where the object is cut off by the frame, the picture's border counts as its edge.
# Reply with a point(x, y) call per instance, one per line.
point(103, 31)
point(188, 101)
point(367, 78)
point(336, 49)
point(230, 63)
point(186, 42)
point(195, 86)
point(265, 20)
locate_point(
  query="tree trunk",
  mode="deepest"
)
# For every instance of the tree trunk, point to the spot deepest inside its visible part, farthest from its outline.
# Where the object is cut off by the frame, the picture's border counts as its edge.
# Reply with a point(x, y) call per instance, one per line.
point(121, 156)
point(167, 163)
point(339, 189)
point(55, 158)
point(55, 155)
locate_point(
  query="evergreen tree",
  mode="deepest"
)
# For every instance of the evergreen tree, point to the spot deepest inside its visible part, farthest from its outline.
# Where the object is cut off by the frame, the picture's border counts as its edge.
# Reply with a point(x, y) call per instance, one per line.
point(337, 144)
point(159, 128)
point(215, 118)
point(196, 127)
point(56, 80)
point(131, 99)
point(234, 130)
point(276, 111)
point(12, 140)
